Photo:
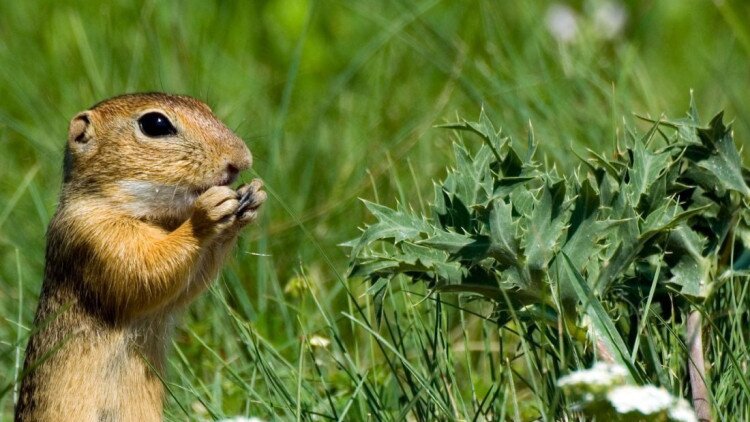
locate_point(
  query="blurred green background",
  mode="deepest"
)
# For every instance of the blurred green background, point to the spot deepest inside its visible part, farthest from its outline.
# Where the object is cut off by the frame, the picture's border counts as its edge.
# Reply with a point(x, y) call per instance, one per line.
point(337, 100)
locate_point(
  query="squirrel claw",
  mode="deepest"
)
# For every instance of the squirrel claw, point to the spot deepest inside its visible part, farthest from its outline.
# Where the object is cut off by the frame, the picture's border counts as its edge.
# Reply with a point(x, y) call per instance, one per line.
point(250, 198)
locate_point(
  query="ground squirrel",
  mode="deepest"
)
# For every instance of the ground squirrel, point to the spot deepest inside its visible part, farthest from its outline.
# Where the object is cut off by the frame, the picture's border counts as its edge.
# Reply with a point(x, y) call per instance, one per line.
point(145, 219)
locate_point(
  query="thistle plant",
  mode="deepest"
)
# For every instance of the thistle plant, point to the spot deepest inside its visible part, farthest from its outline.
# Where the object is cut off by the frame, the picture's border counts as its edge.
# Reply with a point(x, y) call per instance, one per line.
point(648, 232)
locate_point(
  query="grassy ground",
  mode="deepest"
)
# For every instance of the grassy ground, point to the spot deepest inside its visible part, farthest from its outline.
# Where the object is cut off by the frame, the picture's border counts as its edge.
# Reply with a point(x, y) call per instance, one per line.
point(337, 100)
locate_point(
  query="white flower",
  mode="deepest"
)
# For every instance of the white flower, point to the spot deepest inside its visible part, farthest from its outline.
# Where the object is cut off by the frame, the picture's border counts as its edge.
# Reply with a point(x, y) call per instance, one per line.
point(605, 382)
point(601, 375)
point(645, 400)
point(609, 19)
point(562, 22)
point(318, 341)
point(682, 412)
point(199, 408)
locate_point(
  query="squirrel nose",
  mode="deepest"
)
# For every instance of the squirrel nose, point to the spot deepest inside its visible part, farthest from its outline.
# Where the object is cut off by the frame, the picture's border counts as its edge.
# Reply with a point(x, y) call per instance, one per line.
point(232, 173)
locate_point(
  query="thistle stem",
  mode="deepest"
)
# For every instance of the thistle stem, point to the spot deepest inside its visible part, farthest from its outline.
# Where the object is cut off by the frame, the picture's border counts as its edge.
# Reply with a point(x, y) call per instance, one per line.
point(697, 367)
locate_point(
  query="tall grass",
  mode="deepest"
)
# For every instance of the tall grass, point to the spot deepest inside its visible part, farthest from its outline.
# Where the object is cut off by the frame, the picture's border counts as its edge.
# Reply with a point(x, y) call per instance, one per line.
point(337, 101)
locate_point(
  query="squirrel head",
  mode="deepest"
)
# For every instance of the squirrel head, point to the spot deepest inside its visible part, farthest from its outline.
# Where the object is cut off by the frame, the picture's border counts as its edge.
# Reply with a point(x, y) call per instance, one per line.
point(150, 155)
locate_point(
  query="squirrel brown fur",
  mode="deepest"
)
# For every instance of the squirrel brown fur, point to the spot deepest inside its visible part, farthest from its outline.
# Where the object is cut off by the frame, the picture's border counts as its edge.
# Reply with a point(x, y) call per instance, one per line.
point(145, 219)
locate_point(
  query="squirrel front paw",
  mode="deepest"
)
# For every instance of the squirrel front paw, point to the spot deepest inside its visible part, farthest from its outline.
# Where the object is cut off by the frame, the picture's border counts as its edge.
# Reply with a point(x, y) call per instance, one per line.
point(215, 211)
point(251, 197)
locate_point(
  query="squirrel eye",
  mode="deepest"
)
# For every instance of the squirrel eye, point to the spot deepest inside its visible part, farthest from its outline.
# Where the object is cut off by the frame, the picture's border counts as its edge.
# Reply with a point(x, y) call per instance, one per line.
point(155, 125)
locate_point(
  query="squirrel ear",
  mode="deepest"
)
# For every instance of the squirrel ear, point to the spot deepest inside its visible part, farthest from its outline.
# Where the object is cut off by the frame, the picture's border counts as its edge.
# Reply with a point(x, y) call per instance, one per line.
point(79, 132)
